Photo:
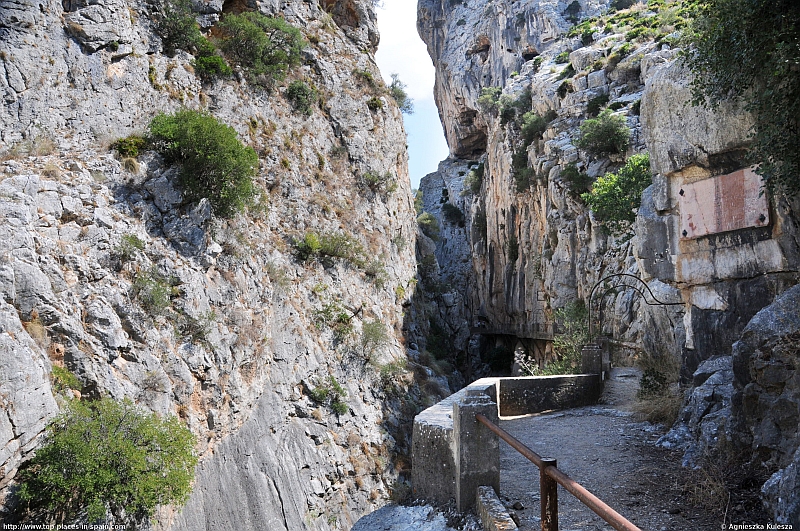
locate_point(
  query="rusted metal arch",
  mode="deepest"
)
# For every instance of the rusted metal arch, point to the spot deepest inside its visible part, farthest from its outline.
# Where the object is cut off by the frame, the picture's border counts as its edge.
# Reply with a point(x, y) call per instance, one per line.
point(643, 292)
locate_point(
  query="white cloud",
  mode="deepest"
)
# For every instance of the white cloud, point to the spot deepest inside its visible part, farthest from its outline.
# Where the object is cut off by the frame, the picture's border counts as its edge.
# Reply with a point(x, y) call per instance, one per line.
point(401, 50)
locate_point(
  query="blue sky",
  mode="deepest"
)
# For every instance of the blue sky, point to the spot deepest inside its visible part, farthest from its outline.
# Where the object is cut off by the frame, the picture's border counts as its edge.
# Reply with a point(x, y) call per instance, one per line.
point(401, 51)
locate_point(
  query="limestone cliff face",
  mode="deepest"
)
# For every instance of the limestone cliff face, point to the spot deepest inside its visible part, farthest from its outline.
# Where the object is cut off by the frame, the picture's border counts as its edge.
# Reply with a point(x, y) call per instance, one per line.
point(541, 248)
point(241, 342)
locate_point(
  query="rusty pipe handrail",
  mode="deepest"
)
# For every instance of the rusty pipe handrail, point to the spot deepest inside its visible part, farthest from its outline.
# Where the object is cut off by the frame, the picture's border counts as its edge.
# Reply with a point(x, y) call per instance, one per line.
point(616, 520)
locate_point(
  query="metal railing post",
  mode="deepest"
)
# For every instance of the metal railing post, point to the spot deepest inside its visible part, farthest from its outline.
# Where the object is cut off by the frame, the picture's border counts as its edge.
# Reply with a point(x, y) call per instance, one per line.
point(549, 496)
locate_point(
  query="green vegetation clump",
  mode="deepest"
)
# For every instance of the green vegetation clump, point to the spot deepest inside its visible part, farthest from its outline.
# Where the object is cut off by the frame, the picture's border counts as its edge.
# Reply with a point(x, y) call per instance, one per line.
point(453, 214)
point(595, 104)
point(328, 246)
point(263, 47)
point(489, 98)
point(302, 97)
point(429, 225)
point(614, 196)
point(153, 291)
point(373, 338)
point(337, 318)
point(605, 135)
point(577, 181)
point(331, 394)
point(380, 183)
point(747, 51)
point(533, 127)
point(109, 456)
point(64, 380)
point(130, 146)
point(562, 58)
point(375, 104)
point(129, 245)
point(567, 345)
point(208, 64)
point(474, 180)
point(176, 26)
point(510, 108)
point(397, 90)
point(214, 163)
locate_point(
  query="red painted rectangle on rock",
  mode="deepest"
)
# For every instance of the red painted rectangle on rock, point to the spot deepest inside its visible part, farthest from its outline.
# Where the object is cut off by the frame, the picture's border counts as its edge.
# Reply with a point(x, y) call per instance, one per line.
point(722, 203)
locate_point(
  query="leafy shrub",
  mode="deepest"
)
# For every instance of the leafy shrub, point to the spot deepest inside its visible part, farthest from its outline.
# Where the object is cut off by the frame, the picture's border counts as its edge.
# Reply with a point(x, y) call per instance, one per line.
point(64, 380)
point(605, 135)
point(334, 316)
point(453, 214)
point(264, 47)
point(332, 394)
point(373, 337)
point(489, 98)
point(397, 90)
point(533, 127)
point(614, 196)
point(327, 246)
point(563, 57)
point(130, 146)
point(474, 180)
point(176, 26)
point(595, 104)
point(375, 104)
point(747, 51)
point(212, 66)
point(152, 291)
point(567, 346)
point(129, 245)
point(301, 96)
point(109, 455)
point(578, 182)
point(379, 183)
point(214, 163)
point(365, 76)
point(429, 225)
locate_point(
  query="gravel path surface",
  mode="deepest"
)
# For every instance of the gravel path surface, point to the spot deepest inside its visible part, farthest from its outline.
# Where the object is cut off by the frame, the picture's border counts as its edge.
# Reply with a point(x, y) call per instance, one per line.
point(607, 451)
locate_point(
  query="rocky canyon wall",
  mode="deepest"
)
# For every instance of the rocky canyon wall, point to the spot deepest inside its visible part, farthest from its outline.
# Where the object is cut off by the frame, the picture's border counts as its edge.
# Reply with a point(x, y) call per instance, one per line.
point(245, 334)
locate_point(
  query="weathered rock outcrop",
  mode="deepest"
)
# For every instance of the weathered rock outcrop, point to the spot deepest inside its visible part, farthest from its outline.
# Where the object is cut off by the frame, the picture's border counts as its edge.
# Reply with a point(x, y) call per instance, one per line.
point(240, 341)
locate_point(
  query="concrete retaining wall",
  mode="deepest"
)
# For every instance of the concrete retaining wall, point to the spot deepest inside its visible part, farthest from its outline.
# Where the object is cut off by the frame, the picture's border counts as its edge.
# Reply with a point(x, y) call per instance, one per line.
point(452, 459)
point(534, 394)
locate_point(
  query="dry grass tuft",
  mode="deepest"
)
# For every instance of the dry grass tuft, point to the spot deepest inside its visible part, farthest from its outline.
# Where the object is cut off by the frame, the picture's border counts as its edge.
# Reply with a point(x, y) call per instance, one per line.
point(659, 409)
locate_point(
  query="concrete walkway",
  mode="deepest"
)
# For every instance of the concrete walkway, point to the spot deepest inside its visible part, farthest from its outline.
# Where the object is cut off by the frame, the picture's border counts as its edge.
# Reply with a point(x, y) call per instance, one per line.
point(606, 450)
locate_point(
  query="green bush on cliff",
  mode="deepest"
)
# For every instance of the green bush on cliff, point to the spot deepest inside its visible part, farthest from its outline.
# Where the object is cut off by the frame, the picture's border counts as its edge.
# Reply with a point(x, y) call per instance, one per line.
point(614, 196)
point(605, 135)
point(747, 50)
point(214, 163)
point(109, 457)
point(264, 47)
point(429, 225)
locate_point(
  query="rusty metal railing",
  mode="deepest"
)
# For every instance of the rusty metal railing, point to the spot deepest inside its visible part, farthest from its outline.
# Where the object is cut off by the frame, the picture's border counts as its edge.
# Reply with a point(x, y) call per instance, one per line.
point(549, 479)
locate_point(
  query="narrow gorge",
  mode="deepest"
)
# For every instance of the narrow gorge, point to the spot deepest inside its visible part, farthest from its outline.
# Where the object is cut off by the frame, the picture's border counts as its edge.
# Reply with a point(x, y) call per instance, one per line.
point(298, 329)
